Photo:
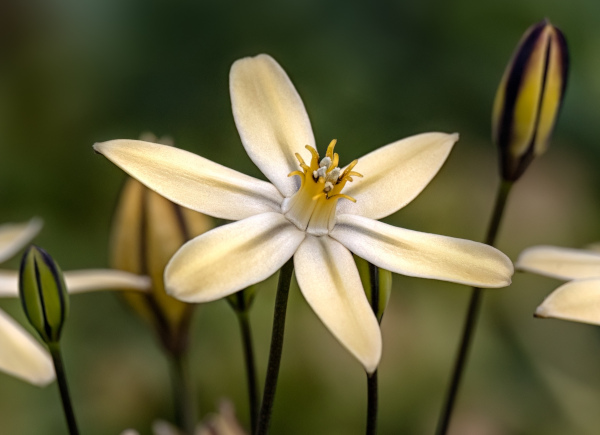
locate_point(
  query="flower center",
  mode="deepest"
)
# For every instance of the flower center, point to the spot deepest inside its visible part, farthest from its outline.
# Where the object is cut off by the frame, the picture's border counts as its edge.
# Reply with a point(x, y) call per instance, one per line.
point(312, 207)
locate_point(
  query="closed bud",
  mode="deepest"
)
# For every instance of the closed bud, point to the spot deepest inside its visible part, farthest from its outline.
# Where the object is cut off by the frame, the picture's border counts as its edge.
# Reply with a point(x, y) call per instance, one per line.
point(529, 98)
point(43, 293)
point(377, 284)
point(147, 230)
point(241, 301)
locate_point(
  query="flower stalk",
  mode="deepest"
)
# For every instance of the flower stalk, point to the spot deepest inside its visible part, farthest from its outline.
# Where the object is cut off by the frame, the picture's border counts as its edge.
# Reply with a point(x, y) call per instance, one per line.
point(283, 289)
point(61, 378)
point(472, 315)
point(240, 302)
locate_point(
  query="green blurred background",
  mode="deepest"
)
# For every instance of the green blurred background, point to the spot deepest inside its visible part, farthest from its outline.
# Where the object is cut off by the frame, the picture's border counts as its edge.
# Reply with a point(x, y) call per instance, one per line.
point(74, 72)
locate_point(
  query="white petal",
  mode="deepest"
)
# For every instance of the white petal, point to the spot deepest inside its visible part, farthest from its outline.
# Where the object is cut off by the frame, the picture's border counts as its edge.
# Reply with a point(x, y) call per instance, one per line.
point(79, 281)
point(192, 181)
point(395, 174)
point(14, 236)
point(270, 118)
point(9, 283)
point(578, 301)
point(232, 257)
point(329, 281)
point(21, 355)
point(423, 255)
point(561, 263)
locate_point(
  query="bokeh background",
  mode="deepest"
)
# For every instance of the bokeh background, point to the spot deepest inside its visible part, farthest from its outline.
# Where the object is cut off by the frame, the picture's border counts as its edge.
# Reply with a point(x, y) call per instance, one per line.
point(74, 72)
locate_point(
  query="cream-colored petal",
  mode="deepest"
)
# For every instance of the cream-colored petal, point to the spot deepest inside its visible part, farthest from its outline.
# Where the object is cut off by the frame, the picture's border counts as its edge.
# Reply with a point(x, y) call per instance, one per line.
point(21, 355)
point(578, 301)
point(561, 263)
point(13, 236)
point(395, 174)
point(329, 281)
point(79, 281)
point(423, 255)
point(232, 257)
point(192, 181)
point(270, 118)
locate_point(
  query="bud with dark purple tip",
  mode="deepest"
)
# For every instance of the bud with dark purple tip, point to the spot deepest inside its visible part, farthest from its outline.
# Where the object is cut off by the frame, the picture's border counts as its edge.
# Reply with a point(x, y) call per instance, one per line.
point(529, 98)
point(43, 293)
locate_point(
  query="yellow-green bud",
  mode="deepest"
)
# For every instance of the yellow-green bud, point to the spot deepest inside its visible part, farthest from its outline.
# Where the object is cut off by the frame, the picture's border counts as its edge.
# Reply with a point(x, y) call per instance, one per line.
point(43, 293)
point(529, 98)
point(147, 230)
point(241, 301)
point(369, 274)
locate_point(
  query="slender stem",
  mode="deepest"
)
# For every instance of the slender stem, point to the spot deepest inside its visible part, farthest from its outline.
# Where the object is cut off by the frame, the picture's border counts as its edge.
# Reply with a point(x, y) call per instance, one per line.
point(283, 288)
point(372, 394)
point(183, 395)
point(472, 315)
point(372, 399)
point(253, 397)
point(61, 378)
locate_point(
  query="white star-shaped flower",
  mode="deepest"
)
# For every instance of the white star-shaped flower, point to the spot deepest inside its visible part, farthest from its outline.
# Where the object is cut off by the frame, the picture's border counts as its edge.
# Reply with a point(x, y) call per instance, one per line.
point(20, 354)
point(579, 299)
point(312, 210)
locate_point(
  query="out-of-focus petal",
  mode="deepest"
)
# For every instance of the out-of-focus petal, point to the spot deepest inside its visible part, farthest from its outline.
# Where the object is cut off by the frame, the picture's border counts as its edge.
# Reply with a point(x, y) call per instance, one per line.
point(14, 236)
point(395, 174)
point(329, 281)
point(21, 355)
point(561, 263)
point(423, 255)
point(79, 281)
point(231, 257)
point(192, 181)
point(578, 301)
point(270, 117)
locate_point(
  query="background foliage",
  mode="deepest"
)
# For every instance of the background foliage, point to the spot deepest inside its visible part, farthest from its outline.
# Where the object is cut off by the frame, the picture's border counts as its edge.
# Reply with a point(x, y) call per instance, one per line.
point(73, 72)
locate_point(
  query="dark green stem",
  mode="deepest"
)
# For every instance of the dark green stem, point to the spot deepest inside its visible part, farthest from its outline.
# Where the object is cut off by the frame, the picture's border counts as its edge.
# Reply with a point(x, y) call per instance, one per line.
point(283, 288)
point(183, 394)
point(372, 395)
point(253, 398)
point(472, 315)
point(372, 399)
point(61, 378)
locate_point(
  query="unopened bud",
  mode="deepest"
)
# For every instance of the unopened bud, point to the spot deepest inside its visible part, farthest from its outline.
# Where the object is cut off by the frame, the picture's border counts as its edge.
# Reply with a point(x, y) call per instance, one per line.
point(147, 230)
point(529, 98)
point(377, 283)
point(43, 293)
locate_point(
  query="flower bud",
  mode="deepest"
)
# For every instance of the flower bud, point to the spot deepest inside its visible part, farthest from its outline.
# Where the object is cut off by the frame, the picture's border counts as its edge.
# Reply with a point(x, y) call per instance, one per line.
point(370, 273)
point(147, 230)
point(241, 301)
point(43, 293)
point(529, 98)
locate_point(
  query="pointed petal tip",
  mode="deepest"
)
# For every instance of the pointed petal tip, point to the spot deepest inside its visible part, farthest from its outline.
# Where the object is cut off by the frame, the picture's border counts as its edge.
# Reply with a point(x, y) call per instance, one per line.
point(541, 312)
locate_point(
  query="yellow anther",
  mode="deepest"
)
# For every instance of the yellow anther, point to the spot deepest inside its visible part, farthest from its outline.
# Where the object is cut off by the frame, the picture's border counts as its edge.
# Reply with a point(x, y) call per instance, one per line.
point(334, 161)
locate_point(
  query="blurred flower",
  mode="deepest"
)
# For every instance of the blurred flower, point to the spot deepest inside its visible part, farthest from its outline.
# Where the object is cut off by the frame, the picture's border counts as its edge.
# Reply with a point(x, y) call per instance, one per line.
point(147, 230)
point(299, 214)
point(529, 98)
point(20, 354)
point(43, 293)
point(222, 423)
point(577, 300)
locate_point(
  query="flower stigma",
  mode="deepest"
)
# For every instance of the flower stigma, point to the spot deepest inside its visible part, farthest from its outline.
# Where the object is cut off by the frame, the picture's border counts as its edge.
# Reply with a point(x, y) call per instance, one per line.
point(312, 207)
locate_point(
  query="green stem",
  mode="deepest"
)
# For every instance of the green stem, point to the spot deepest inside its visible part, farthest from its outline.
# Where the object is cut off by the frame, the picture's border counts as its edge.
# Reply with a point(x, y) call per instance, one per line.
point(472, 315)
point(283, 288)
point(61, 378)
point(183, 395)
point(372, 387)
point(253, 397)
